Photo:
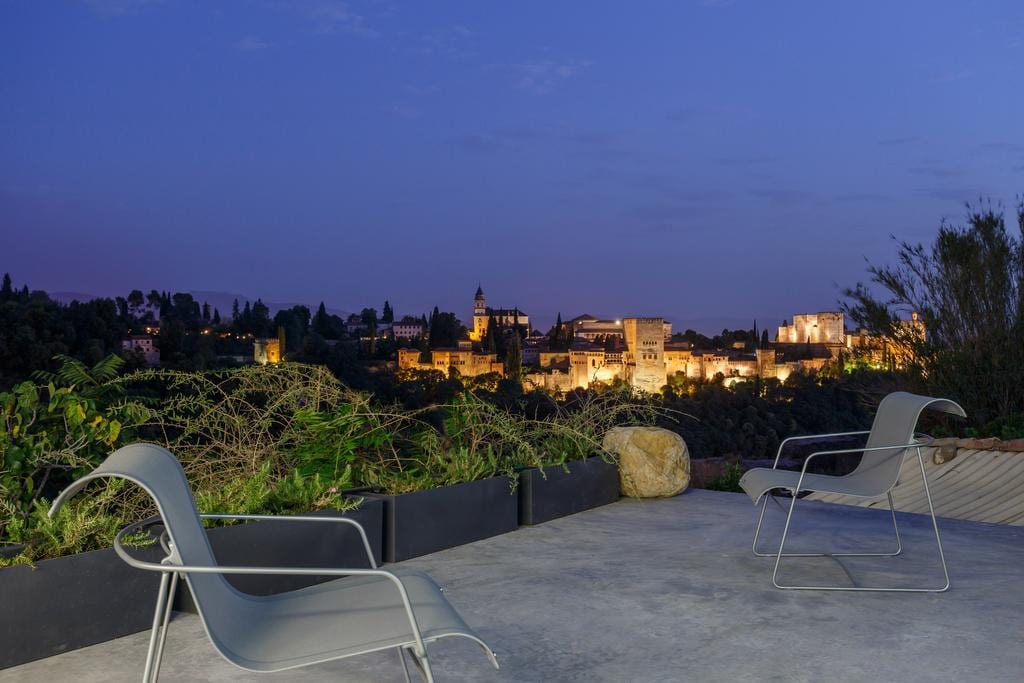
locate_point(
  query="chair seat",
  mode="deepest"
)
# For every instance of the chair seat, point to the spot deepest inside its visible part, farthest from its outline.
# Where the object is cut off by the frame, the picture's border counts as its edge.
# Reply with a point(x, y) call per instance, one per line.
point(760, 480)
point(329, 621)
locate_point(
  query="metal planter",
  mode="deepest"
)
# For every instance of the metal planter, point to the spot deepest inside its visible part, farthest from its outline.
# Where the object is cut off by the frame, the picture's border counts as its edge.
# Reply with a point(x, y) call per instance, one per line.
point(424, 522)
point(556, 493)
point(74, 601)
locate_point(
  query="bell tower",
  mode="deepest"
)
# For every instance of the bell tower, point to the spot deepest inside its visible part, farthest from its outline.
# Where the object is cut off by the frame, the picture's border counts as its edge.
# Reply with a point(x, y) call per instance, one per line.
point(479, 302)
point(479, 315)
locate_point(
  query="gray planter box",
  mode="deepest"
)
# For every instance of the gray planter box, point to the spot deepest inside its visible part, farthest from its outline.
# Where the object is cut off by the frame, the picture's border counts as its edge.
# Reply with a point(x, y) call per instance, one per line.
point(292, 544)
point(424, 522)
point(556, 493)
point(74, 601)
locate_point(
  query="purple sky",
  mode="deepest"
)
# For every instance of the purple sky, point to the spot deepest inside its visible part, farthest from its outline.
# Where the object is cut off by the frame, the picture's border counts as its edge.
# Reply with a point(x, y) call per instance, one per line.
point(682, 158)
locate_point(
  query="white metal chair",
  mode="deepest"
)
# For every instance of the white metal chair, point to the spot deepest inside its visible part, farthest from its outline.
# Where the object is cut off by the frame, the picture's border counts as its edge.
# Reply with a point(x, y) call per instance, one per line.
point(890, 440)
point(368, 610)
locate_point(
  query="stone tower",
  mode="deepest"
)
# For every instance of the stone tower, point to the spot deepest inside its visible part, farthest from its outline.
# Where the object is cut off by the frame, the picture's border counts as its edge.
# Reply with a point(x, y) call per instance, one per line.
point(645, 353)
point(479, 315)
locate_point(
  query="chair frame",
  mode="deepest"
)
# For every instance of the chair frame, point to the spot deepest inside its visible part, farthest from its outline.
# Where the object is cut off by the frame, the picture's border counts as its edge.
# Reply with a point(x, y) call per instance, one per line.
point(921, 440)
point(171, 570)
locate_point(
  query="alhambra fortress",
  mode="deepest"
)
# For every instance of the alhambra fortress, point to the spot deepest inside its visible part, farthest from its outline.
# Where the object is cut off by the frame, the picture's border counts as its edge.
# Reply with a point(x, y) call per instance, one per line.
point(642, 352)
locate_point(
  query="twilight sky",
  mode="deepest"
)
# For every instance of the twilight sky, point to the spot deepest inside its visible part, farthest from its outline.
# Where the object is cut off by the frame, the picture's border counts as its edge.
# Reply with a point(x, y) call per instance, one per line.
point(694, 159)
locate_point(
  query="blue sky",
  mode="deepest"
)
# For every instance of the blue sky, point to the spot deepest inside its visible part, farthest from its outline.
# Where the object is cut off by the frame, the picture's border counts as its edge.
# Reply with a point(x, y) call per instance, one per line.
point(682, 158)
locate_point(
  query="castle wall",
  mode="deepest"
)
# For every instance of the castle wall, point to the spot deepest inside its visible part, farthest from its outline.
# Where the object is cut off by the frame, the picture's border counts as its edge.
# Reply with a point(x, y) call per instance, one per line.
point(828, 327)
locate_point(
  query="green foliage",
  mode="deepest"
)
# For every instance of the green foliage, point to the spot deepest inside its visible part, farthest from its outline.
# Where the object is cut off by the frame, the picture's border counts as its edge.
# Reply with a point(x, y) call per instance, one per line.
point(747, 421)
point(48, 436)
point(232, 430)
point(729, 480)
point(968, 287)
point(262, 493)
point(86, 523)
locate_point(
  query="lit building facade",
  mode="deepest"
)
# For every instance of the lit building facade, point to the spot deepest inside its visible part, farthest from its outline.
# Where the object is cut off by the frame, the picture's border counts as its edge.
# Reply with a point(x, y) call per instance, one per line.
point(828, 327)
point(143, 343)
point(407, 328)
point(266, 351)
point(505, 317)
point(464, 359)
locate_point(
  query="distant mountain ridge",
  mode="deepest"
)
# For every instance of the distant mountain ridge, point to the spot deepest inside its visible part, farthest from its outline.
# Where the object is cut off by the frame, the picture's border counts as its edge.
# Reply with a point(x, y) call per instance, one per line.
point(222, 301)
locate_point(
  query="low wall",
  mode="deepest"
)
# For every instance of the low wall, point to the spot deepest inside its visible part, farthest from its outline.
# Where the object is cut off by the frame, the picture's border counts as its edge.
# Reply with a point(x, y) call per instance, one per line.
point(981, 480)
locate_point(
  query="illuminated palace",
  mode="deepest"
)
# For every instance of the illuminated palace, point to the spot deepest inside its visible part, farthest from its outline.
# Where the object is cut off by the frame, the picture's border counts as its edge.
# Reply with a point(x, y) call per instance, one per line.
point(641, 352)
point(504, 317)
point(647, 358)
point(464, 358)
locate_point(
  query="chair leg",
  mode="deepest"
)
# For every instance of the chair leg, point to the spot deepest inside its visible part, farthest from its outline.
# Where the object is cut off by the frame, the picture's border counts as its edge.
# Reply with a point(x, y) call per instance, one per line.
point(938, 542)
point(935, 522)
point(405, 666)
point(895, 526)
point(163, 629)
point(154, 636)
point(422, 664)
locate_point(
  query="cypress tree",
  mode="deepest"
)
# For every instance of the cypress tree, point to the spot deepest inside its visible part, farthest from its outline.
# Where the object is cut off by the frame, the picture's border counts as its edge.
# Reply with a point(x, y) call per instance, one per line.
point(435, 331)
point(555, 339)
point(320, 320)
point(514, 357)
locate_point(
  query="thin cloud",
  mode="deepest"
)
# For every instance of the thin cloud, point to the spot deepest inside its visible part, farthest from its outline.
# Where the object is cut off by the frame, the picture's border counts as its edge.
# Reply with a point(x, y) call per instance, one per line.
point(755, 160)
point(1003, 146)
point(951, 76)
point(422, 90)
point(860, 197)
point(335, 16)
point(508, 137)
point(683, 115)
point(402, 111)
point(905, 140)
point(949, 194)
point(120, 8)
point(251, 44)
point(544, 76)
point(783, 197)
point(476, 142)
point(935, 171)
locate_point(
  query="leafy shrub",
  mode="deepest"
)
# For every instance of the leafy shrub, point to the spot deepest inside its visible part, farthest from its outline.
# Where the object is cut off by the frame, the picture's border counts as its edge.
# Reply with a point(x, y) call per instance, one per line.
point(728, 480)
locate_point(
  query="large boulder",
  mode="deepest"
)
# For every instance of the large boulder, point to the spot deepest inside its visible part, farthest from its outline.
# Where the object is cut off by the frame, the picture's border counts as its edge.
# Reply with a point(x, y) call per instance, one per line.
point(653, 462)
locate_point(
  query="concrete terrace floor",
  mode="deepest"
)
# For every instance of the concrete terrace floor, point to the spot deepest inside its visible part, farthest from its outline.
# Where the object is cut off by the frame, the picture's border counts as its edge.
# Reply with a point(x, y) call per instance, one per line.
point(667, 590)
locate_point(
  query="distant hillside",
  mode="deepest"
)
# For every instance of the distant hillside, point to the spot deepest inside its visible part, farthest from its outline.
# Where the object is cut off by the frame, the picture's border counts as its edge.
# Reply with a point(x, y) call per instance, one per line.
point(68, 297)
point(219, 300)
point(713, 325)
point(224, 300)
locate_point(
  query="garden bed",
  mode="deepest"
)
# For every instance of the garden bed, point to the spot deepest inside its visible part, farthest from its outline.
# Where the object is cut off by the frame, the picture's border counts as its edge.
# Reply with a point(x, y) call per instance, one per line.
point(555, 492)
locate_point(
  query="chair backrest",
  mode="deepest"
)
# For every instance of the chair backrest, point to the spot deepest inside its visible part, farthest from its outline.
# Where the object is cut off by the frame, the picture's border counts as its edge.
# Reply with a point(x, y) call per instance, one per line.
point(157, 471)
point(895, 424)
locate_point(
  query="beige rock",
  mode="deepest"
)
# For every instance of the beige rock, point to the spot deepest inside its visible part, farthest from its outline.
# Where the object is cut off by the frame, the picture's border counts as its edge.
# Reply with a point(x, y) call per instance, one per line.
point(944, 452)
point(653, 462)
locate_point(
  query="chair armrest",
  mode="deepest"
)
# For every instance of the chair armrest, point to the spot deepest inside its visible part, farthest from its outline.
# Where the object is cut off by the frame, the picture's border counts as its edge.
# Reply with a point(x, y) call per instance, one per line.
point(810, 436)
point(172, 563)
point(301, 518)
point(926, 441)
